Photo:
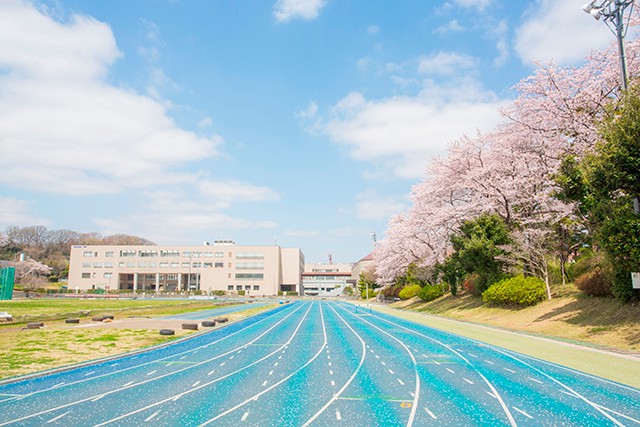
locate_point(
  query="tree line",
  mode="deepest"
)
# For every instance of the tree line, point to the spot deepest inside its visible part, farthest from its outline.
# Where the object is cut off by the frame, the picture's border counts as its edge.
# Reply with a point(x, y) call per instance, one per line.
point(549, 193)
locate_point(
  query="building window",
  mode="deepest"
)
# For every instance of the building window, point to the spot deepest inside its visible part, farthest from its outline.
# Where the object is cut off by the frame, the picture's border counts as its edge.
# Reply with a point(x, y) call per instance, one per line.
point(249, 266)
point(185, 265)
point(249, 276)
point(219, 254)
point(146, 253)
point(152, 264)
point(208, 254)
point(229, 276)
point(127, 253)
point(108, 254)
point(131, 264)
point(121, 264)
point(88, 254)
point(186, 254)
point(229, 287)
point(86, 265)
point(175, 264)
point(108, 275)
point(197, 264)
point(247, 288)
point(256, 287)
point(86, 275)
point(164, 265)
point(142, 264)
point(238, 287)
point(219, 264)
point(208, 265)
point(97, 265)
point(108, 265)
point(250, 255)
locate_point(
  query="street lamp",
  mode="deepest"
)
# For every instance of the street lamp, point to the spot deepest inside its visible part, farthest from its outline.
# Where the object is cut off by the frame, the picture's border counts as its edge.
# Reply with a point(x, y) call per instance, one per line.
point(612, 13)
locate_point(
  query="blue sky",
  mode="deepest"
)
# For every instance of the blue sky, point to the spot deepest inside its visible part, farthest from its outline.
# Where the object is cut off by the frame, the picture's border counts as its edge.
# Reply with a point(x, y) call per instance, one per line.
point(301, 122)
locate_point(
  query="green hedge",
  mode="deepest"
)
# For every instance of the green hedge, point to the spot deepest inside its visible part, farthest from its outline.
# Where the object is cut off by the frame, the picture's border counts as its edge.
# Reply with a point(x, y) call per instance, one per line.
point(431, 292)
point(519, 291)
point(409, 291)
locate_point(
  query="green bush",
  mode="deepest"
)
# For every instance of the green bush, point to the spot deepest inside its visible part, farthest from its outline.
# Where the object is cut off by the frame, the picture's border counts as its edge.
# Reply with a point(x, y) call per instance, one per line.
point(409, 291)
point(241, 293)
point(372, 294)
point(519, 291)
point(596, 283)
point(219, 293)
point(431, 292)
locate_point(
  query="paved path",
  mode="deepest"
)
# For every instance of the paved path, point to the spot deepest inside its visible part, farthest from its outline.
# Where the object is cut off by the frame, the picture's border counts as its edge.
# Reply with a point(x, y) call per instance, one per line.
point(216, 312)
point(321, 363)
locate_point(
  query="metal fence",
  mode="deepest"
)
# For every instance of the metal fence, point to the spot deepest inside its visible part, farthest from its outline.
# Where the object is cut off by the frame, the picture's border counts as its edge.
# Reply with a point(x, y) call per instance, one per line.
point(6, 282)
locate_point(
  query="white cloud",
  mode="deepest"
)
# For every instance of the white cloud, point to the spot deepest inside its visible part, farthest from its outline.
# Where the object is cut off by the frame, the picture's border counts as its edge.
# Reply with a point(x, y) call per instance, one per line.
point(17, 212)
point(205, 122)
point(446, 64)
point(559, 31)
point(398, 135)
point(372, 206)
point(373, 29)
point(285, 10)
point(476, 4)
point(64, 128)
point(450, 27)
point(230, 191)
point(309, 112)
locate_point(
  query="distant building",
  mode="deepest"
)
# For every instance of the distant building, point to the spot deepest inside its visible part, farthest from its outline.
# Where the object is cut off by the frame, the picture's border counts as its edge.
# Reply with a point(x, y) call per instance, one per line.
point(325, 279)
point(256, 270)
point(359, 267)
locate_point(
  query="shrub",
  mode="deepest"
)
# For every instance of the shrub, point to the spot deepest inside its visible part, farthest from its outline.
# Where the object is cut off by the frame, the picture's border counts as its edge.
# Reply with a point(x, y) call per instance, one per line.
point(409, 291)
point(517, 290)
point(241, 293)
point(596, 283)
point(219, 293)
point(431, 292)
point(372, 293)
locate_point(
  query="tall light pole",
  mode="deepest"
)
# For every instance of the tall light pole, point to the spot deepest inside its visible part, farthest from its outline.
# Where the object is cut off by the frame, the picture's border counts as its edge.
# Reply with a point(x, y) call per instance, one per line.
point(613, 14)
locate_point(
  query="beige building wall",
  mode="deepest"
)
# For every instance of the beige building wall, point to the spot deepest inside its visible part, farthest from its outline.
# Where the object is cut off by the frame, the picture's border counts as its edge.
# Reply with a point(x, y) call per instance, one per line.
point(257, 270)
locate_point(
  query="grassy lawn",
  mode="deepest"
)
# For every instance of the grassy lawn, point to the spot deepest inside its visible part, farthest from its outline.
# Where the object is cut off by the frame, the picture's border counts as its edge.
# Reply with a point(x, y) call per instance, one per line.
point(39, 309)
point(24, 351)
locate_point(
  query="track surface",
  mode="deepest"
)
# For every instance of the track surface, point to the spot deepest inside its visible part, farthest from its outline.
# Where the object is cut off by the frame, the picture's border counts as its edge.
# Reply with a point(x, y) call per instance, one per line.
point(321, 364)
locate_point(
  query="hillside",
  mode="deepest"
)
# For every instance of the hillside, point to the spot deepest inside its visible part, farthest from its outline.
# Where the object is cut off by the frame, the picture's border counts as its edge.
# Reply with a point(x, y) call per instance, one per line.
point(570, 315)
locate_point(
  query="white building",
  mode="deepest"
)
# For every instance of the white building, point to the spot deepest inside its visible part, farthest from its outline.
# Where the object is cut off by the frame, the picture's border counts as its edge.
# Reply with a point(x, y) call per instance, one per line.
point(256, 270)
point(325, 279)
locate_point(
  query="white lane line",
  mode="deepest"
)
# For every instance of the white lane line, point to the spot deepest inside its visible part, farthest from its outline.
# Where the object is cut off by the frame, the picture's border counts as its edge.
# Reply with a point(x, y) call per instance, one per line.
point(492, 395)
point(127, 384)
point(329, 363)
point(472, 355)
point(510, 370)
point(383, 364)
point(412, 394)
point(152, 372)
point(223, 363)
point(330, 372)
point(52, 420)
point(77, 402)
point(231, 357)
point(59, 384)
point(89, 373)
point(245, 416)
point(152, 416)
point(536, 381)
point(618, 413)
point(183, 357)
point(450, 370)
point(271, 372)
point(95, 399)
point(431, 414)
point(427, 358)
point(275, 364)
point(489, 362)
point(279, 357)
point(469, 381)
point(338, 416)
point(210, 373)
point(264, 383)
point(333, 383)
point(567, 393)
point(522, 412)
point(436, 362)
point(400, 381)
point(195, 384)
point(377, 357)
point(391, 372)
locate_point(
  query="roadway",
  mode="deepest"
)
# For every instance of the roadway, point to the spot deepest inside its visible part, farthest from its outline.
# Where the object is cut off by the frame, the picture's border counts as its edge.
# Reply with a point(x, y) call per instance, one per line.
point(322, 364)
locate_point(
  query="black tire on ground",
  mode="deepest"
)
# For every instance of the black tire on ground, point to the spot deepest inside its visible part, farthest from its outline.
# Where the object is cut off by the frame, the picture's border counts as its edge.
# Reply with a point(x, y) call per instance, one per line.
point(221, 319)
point(72, 321)
point(107, 317)
point(35, 325)
point(97, 318)
point(208, 323)
point(190, 326)
point(167, 332)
